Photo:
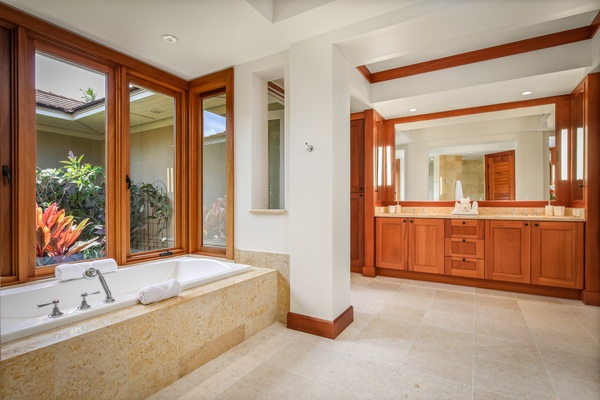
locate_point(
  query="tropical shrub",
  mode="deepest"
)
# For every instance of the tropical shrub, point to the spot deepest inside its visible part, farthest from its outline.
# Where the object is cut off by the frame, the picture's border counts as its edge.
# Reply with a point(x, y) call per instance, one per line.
point(56, 234)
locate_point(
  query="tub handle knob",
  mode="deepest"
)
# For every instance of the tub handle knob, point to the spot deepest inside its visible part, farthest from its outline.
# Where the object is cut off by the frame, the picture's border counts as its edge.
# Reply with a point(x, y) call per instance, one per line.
point(84, 304)
point(55, 311)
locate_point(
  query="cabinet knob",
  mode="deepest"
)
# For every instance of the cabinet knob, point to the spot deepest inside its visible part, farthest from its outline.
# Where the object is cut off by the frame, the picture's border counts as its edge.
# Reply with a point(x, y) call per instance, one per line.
point(463, 222)
point(464, 259)
point(360, 195)
point(537, 224)
point(411, 221)
point(403, 220)
point(526, 224)
point(464, 240)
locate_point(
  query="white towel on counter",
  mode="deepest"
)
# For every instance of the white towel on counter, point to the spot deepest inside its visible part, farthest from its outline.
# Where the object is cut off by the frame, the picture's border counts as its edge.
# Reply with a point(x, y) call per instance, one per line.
point(66, 272)
point(160, 291)
point(105, 265)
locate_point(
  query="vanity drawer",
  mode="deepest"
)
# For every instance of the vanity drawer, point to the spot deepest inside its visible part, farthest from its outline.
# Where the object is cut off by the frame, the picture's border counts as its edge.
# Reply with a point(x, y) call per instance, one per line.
point(461, 247)
point(465, 228)
point(462, 266)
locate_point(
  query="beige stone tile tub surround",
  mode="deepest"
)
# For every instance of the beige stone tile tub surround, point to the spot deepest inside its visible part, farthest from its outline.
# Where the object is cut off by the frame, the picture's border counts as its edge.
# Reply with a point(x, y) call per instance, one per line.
point(279, 262)
point(134, 352)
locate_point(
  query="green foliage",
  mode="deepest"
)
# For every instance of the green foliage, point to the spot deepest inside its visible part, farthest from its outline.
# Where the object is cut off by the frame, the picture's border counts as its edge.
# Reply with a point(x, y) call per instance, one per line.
point(78, 188)
point(148, 203)
point(88, 95)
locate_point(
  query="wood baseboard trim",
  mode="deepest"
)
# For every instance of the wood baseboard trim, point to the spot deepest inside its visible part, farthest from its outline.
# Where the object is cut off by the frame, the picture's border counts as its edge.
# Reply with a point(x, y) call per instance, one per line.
point(370, 272)
point(575, 294)
point(358, 270)
point(590, 298)
point(320, 327)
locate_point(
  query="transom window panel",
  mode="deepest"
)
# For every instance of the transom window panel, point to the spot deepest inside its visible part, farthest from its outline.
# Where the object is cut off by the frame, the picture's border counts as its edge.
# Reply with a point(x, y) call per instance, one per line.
point(70, 161)
point(151, 183)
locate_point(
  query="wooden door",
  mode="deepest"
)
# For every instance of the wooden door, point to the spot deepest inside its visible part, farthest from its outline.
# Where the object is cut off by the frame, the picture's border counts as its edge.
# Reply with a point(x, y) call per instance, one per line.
point(391, 243)
point(557, 254)
point(357, 133)
point(507, 251)
point(426, 245)
point(357, 221)
point(500, 176)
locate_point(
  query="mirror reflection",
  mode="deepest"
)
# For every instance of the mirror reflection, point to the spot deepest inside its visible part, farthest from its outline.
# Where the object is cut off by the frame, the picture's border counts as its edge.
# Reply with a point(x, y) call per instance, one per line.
point(503, 155)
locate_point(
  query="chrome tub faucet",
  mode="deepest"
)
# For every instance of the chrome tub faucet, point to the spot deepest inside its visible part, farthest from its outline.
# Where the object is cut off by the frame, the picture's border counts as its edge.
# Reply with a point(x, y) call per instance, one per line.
point(90, 274)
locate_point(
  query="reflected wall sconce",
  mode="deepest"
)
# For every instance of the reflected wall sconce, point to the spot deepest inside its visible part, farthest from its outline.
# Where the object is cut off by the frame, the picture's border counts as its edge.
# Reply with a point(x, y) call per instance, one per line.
point(309, 147)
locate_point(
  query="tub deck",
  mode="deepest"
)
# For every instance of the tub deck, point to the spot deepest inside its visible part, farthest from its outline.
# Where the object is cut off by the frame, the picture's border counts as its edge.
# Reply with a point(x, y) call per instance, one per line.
point(136, 351)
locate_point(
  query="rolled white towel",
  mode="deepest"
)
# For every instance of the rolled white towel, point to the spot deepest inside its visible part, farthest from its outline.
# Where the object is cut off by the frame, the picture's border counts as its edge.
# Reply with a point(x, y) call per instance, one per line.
point(105, 265)
point(160, 291)
point(66, 272)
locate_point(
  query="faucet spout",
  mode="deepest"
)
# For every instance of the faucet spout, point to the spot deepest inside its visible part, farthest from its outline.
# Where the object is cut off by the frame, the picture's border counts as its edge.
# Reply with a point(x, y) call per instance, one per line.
point(91, 273)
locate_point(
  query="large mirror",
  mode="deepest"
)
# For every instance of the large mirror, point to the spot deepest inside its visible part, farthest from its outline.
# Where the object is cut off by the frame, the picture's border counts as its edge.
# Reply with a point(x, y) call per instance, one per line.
point(501, 155)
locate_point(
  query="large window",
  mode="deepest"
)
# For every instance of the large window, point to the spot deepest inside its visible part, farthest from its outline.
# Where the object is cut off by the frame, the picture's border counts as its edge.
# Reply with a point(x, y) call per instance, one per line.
point(70, 161)
point(98, 159)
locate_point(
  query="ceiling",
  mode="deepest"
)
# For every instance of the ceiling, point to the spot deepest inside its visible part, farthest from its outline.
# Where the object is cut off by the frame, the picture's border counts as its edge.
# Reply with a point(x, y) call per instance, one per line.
point(379, 34)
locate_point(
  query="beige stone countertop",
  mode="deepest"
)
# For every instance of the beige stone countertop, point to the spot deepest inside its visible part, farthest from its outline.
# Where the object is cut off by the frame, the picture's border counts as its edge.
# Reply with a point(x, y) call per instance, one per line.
point(485, 213)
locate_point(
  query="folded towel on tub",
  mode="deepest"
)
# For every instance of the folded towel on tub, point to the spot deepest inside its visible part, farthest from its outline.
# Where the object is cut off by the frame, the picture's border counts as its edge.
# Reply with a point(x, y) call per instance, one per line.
point(66, 272)
point(105, 265)
point(160, 291)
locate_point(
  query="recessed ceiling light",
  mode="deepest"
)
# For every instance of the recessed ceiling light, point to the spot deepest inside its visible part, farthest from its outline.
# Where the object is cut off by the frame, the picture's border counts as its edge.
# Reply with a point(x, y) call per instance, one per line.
point(169, 38)
point(526, 93)
point(412, 109)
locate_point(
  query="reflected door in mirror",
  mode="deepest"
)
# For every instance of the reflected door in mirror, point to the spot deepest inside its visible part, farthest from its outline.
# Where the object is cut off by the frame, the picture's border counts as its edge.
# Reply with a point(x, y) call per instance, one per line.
point(500, 176)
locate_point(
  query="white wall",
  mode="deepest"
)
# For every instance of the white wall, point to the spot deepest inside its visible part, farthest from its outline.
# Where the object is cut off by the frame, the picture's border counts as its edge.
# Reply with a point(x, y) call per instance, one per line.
point(257, 232)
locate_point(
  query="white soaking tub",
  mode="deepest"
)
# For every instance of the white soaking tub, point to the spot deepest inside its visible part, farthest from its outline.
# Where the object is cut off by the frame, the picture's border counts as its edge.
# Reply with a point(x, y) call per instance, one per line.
point(20, 316)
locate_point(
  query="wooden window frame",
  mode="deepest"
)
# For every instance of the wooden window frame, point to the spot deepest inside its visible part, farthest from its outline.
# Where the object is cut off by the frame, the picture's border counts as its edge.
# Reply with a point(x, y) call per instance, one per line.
point(179, 97)
point(219, 82)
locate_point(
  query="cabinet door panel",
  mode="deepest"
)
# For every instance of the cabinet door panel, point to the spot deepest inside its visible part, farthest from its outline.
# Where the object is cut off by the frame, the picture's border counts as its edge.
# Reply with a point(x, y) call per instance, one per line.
point(357, 218)
point(426, 242)
point(508, 251)
point(391, 245)
point(557, 254)
point(356, 155)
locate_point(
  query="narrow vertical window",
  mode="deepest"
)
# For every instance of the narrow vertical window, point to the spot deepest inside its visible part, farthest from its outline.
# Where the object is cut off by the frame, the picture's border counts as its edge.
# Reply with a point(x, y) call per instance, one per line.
point(152, 166)
point(70, 161)
point(276, 149)
point(214, 166)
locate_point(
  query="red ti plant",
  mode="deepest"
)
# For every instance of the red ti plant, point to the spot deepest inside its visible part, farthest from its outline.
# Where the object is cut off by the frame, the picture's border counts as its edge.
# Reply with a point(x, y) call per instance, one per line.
point(56, 233)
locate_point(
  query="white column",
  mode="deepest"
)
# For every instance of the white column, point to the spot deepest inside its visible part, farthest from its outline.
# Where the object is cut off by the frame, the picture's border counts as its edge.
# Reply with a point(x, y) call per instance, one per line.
point(320, 180)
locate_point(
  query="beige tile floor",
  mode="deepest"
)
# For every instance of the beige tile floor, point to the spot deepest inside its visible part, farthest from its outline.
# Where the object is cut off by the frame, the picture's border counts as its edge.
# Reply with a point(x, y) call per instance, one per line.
point(417, 340)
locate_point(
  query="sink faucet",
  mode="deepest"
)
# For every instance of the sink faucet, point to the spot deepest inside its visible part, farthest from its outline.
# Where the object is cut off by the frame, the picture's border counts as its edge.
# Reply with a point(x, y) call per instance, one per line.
point(91, 273)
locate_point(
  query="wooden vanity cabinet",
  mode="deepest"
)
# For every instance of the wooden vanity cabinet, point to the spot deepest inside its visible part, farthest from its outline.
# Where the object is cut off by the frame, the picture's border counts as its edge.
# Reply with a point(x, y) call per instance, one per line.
point(508, 251)
point(414, 244)
point(426, 245)
point(557, 254)
point(464, 248)
point(391, 248)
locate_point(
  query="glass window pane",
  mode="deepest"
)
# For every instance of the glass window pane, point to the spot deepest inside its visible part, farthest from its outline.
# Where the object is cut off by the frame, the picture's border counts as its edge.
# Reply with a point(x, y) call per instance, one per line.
point(152, 167)
point(214, 164)
point(70, 160)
